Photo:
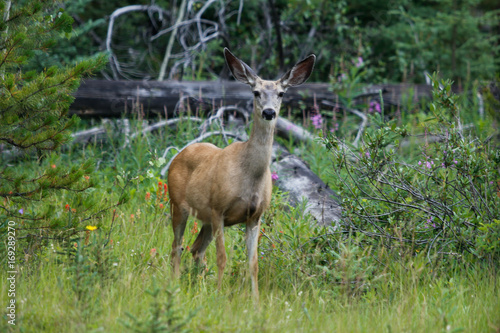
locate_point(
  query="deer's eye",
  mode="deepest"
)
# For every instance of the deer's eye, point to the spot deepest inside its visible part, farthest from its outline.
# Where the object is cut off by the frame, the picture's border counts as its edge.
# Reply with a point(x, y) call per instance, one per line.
point(281, 94)
point(256, 93)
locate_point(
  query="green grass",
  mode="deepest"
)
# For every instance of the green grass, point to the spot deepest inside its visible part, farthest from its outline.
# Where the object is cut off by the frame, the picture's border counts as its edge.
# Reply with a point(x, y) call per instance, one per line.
point(408, 298)
point(310, 279)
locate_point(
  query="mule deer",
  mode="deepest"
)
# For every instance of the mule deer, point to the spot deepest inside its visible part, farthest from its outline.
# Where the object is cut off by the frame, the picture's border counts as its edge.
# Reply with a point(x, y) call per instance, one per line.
point(223, 187)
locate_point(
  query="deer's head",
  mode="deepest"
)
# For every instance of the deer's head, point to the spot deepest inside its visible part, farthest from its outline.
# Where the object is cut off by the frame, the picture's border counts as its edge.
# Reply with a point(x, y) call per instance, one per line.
point(269, 94)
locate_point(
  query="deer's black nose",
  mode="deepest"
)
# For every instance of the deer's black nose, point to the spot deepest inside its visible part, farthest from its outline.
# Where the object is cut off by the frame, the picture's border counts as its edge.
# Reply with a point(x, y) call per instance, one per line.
point(268, 114)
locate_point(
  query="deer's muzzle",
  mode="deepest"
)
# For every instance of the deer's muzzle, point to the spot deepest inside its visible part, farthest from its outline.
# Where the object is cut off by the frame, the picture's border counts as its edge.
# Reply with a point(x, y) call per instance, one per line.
point(268, 114)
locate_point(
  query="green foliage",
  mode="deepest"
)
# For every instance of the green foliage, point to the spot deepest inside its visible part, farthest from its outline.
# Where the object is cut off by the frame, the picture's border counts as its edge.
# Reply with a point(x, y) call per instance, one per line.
point(400, 40)
point(33, 118)
point(163, 315)
point(34, 105)
point(487, 241)
point(440, 201)
point(89, 263)
point(447, 36)
point(351, 268)
point(79, 41)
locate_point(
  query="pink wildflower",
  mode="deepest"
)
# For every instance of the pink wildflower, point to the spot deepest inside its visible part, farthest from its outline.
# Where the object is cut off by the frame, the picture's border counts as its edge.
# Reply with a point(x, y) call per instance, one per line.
point(360, 62)
point(274, 176)
point(317, 121)
point(374, 106)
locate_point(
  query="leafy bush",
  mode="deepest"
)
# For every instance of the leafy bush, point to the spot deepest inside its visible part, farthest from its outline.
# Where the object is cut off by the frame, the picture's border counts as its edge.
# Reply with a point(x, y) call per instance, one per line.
point(446, 202)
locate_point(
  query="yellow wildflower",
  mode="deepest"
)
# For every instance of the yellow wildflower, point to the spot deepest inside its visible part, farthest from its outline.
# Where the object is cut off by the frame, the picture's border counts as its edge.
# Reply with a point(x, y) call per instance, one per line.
point(91, 227)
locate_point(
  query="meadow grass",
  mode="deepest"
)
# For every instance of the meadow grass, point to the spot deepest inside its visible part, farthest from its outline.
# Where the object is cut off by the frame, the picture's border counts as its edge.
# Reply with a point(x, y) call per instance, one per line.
point(403, 299)
point(117, 278)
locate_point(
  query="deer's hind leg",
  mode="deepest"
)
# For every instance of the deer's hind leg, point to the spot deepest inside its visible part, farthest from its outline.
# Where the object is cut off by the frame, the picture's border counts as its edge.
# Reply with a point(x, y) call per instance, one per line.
point(179, 219)
point(201, 243)
point(218, 234)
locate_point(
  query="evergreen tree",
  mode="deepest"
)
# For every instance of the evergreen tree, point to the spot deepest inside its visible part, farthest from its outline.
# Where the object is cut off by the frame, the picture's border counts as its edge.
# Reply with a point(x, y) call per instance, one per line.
point(34, 112)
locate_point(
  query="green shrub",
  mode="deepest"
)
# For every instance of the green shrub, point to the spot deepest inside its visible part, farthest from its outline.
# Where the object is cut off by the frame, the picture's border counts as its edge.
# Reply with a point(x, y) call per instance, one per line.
point(445, 201)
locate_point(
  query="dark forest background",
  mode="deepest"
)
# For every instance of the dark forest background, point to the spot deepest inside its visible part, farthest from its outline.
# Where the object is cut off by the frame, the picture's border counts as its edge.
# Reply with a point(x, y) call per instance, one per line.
point(398, 40)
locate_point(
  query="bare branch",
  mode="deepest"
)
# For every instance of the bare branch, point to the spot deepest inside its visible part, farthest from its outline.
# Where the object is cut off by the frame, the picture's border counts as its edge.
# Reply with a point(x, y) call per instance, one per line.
point(115, 65)
point(162, 124)
point(168, 51)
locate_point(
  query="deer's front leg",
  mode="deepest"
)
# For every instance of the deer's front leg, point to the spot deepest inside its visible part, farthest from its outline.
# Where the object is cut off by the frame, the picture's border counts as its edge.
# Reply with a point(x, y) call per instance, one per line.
point(252, 239)
point(218, 234)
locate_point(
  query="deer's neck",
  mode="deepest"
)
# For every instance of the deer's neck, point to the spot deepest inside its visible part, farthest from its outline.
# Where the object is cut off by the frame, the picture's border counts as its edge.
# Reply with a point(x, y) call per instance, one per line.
point(258, 149)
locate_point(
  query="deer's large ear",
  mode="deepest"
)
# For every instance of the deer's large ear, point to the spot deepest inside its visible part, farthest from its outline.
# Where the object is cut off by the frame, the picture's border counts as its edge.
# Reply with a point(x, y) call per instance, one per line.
point(241, 71)
point(299, 73)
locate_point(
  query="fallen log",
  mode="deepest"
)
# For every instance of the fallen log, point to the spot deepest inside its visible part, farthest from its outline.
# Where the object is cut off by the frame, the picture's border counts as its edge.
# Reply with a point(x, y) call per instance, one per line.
point(305, 187)
point(288, 130)
point(108, 99)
